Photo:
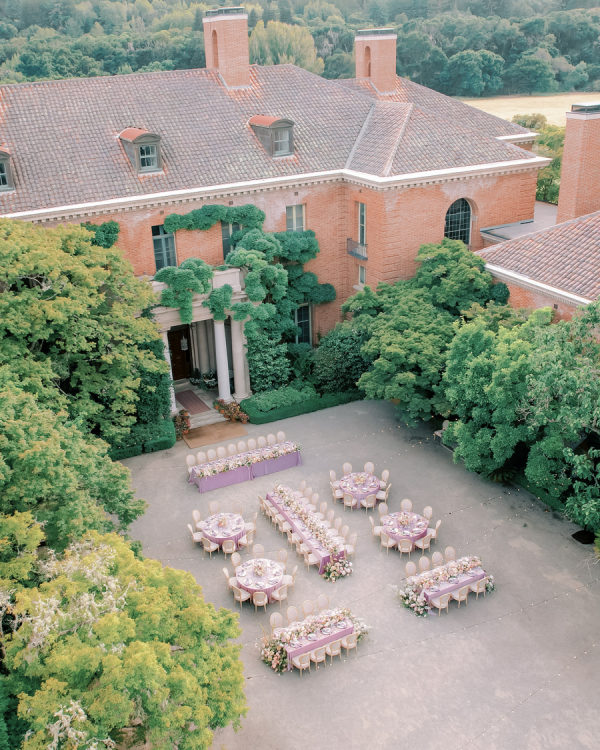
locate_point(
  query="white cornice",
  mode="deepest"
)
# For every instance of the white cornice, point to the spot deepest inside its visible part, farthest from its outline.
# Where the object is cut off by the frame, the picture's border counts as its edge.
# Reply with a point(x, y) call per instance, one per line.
point(273, 183)
point(503, 274)
point(518, 137)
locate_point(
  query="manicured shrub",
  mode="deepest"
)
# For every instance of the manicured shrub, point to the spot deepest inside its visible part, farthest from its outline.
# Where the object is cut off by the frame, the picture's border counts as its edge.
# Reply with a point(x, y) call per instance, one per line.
point(303, 407)
point(338, 362)
point(278, 398)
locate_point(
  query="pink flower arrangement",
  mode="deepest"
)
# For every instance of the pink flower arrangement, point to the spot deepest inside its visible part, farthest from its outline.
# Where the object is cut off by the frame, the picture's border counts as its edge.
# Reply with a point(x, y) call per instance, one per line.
point(219, 465)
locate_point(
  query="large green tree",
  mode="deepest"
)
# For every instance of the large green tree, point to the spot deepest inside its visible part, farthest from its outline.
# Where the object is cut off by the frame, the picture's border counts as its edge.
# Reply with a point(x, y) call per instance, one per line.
point(110, 648)
point(281, 43)
point(409, 325)
point(70, 327)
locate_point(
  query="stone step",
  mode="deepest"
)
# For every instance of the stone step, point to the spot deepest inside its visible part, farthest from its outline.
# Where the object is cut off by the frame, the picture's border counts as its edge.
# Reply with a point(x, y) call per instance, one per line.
point(206, 418)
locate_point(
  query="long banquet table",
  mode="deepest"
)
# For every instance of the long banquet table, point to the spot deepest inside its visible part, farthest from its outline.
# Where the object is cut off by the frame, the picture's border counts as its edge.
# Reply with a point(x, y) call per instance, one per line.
point(244, 472)
point(303, 532)
point(463, 579)
point(304, 645)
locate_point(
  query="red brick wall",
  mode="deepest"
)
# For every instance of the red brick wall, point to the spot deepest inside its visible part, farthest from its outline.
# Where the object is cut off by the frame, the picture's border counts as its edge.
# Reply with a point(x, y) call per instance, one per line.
point(530, 300)
point(580, 170)
point(399, 221)
point(230, 54)
point(376, 59)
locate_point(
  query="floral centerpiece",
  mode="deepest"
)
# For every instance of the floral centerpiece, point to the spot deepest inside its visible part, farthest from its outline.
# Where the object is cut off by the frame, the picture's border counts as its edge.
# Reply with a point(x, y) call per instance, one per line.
point(319, 531)
point(337, 569)
point(273, 650)
point(222, 522)
point(259, 568)
point(247, 458)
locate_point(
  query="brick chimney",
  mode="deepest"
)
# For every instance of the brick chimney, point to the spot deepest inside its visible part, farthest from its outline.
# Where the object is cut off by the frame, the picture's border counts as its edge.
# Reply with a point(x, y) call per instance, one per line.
point(375, 51)
point(226, 45)
point(580, 174)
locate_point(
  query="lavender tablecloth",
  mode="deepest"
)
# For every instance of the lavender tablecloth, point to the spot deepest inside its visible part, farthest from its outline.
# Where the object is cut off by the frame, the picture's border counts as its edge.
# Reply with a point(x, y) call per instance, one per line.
point(465, 579)
point(244, 473)
point(360, 485)
point(305, 645)
point(298, 527)
point(249, 581)
point(272, 465)
point(234, 528)
point(415, 529)
point(224, 478)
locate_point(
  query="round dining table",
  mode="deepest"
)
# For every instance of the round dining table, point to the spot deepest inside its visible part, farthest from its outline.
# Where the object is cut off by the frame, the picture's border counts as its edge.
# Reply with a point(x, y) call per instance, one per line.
point(405, 525)
point(360, 485)
point(223, 526)
point(260, 574)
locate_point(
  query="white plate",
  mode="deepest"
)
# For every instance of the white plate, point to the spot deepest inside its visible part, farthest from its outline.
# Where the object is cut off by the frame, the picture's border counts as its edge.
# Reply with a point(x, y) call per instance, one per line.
point(312, 636)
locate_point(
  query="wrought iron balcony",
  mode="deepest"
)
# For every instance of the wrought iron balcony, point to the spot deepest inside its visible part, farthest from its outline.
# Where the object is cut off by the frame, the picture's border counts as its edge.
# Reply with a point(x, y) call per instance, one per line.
point(355, 249)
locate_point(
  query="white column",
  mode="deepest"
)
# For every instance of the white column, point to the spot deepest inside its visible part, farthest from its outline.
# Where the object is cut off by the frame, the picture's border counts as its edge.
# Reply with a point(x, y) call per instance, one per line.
point(165, 339)
point(222, 362)
point(239, 360)
point(203, 346)
point(212, 363)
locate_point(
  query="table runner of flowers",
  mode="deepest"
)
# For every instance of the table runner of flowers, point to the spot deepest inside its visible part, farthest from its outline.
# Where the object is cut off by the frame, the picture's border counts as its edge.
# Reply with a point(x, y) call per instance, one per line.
point(273, 649)
point(220, 465)
point(412, 595)
point(318, 530)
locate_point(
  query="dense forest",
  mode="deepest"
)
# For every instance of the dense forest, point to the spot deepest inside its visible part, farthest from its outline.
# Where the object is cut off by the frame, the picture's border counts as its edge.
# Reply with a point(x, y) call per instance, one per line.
point(460, 47)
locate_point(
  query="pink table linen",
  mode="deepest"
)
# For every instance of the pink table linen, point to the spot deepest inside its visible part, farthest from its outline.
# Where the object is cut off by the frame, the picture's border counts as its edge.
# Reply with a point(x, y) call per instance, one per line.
point(405, 525)
point(463, 579)
point(305, 645)
point(360, 485)
point(250, 580)
point(223, 526)
point(245, 466)
point(303, 532)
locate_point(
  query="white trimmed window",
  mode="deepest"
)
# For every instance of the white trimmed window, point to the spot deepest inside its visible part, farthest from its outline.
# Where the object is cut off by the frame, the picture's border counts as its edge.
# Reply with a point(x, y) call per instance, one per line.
point(362, 275)
point(362, 224)
point(164, 248)
point(294, 218)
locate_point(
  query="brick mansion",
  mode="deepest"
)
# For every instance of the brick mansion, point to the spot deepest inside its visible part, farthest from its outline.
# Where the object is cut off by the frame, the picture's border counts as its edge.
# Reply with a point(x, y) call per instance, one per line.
point(375, 166)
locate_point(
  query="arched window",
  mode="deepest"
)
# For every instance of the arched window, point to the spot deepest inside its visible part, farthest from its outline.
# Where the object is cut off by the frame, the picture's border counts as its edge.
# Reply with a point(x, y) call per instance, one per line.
point(458, 221)
point(215, 47)
point(368, 62)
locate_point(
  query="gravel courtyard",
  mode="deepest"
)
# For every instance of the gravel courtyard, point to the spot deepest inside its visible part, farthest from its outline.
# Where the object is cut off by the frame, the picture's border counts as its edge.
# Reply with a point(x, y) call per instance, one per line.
point(514, 670)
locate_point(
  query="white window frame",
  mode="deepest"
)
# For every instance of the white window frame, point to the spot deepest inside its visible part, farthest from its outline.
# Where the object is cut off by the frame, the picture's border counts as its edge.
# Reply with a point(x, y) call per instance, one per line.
point(294, 218)
point(362, 223)
point(164, 239)
point(282, 141)
point(307, 307)
point(148, 152)
point(362, 275)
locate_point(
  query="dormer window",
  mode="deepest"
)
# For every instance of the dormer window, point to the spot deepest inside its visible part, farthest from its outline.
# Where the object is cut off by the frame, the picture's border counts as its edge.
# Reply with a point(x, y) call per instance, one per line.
point(275, 134)
point(6, 180)
point(143, 150)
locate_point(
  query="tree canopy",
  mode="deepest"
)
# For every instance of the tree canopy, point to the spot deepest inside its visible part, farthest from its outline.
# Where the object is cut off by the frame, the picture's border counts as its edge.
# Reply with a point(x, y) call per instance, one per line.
point(461, 47)
point(107, 646)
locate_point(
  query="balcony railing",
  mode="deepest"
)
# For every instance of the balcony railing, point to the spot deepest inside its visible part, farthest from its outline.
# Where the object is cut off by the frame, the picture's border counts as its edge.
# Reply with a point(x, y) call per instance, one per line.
point(355, 249)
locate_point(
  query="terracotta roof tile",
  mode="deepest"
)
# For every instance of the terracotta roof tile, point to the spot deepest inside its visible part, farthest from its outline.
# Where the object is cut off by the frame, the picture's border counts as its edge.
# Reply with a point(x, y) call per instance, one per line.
point(566, 256)
point(64, 135)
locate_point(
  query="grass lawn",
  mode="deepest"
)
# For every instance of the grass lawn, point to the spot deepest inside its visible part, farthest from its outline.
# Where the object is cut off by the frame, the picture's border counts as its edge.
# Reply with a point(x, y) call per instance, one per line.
point(553, 106)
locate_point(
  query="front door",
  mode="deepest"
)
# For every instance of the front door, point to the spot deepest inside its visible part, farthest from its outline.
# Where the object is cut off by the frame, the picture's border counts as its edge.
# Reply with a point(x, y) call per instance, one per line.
point(179, 347)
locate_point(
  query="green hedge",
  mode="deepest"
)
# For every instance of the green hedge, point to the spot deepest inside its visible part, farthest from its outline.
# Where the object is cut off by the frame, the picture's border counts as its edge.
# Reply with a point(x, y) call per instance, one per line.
point(145, 438)
point(279, 398)
point(305, 407)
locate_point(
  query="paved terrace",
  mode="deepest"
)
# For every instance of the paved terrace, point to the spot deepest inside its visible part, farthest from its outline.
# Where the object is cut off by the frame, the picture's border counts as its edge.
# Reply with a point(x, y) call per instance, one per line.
point(517, 669)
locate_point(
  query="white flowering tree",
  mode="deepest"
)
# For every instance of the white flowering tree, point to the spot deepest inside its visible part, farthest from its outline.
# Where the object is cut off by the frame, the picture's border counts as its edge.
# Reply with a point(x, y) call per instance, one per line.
point(108, 648)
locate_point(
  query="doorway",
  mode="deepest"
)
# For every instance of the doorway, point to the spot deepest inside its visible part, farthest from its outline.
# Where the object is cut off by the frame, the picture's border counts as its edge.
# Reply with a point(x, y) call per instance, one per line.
point(180, 349)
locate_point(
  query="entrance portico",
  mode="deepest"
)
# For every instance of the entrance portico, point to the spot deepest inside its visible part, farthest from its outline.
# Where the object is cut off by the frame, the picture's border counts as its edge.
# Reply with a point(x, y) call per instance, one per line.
point(207, 344)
